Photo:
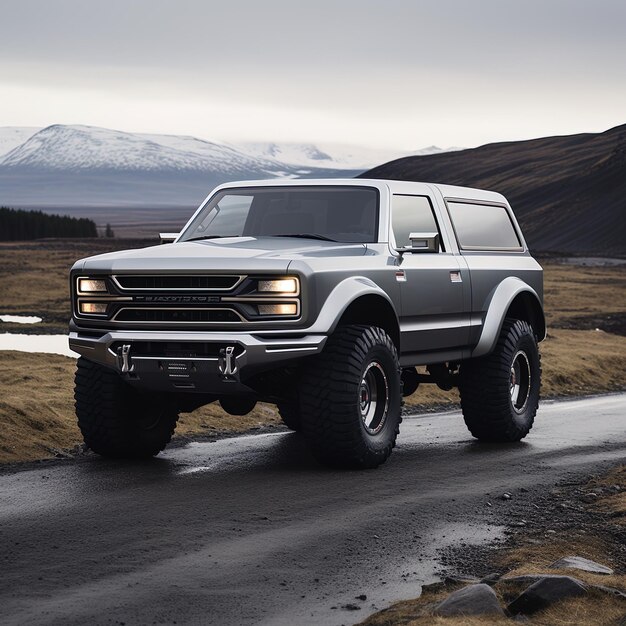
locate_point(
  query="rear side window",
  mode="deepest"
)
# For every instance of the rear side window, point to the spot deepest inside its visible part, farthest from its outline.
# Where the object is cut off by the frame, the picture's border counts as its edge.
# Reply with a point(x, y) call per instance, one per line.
point(411, 214)
point(483, 227)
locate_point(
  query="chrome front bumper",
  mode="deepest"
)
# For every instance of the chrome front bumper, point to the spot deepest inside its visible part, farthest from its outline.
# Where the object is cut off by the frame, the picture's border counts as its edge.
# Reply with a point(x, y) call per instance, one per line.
point(231, 359)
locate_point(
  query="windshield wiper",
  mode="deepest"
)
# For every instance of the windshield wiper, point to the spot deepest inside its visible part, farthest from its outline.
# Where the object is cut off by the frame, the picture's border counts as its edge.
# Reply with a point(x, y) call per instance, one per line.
point(209, 237)
point(307, 236)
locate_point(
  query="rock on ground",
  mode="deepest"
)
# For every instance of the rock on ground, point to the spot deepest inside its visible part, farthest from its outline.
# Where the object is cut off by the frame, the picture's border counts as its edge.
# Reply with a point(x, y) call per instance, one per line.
point(477, 599)
point(546, 591)
point(578, 562)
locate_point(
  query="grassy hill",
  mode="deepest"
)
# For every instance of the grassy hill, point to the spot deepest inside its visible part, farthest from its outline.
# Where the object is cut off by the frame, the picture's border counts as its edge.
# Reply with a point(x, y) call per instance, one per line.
point(569, 193)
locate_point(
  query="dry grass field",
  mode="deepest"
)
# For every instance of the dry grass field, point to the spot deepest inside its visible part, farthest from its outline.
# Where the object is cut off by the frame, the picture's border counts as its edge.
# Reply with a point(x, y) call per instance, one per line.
point(585, 351)
point(34, 278)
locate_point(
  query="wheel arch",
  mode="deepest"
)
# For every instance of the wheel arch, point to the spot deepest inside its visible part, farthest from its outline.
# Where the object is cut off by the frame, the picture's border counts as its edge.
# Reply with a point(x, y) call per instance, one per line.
point(526, 306)
point(373, 310)
point(511, 298)
point(358, 300)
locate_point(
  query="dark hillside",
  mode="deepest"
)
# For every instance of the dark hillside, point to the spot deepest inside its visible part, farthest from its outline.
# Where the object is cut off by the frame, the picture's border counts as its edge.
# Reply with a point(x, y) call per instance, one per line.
point(569, 193)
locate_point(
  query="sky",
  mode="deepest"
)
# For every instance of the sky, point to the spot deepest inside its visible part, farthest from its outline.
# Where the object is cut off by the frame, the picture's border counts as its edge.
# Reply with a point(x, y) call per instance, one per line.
point(399, 74)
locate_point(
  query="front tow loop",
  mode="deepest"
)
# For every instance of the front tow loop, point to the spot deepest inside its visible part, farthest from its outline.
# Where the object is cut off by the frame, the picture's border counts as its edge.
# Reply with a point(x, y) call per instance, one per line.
point(227, 363)
point(124, 359)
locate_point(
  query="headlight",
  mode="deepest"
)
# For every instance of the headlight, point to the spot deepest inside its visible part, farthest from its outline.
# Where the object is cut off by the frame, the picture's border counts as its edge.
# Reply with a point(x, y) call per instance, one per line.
point(281, 285)
point(91, 285)
point(278, 309)
point(93, 308)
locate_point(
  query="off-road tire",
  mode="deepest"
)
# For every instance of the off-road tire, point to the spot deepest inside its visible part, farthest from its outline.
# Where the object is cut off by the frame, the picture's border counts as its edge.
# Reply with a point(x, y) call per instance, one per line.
point(486, 386)
point(332, 394)
point(115, 419)
point(290, 414)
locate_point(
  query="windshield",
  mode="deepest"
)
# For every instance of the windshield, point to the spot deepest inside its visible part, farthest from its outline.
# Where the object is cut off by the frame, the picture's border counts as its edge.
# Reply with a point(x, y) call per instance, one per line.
point(335, 213)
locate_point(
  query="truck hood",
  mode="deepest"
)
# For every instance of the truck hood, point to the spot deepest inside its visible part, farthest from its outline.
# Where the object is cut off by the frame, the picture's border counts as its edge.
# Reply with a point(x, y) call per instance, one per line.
point(229, 254)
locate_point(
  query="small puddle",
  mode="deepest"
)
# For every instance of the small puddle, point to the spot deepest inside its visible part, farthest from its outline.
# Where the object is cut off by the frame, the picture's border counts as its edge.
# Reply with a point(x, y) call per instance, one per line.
point(47, 344)
point(20, 319)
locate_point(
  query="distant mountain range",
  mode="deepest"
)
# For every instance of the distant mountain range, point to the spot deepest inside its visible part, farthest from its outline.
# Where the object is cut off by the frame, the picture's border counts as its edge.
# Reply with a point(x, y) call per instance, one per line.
point(83, 166)
point(569, 192)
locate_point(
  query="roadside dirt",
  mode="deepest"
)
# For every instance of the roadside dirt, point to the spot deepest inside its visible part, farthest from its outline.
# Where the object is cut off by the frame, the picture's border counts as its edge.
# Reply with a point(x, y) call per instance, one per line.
point(575, 518)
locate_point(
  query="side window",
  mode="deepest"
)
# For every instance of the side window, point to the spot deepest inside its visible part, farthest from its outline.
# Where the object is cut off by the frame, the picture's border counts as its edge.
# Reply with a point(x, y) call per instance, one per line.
point(411, 214)
point(483, 227)
point(228, 216)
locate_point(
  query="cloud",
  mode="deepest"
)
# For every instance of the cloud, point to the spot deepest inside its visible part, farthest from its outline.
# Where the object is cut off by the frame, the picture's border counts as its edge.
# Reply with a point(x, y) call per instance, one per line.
point(398, 73)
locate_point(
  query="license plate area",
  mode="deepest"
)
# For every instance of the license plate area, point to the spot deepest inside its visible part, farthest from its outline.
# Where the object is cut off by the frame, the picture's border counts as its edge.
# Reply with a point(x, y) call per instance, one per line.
point(178, 369)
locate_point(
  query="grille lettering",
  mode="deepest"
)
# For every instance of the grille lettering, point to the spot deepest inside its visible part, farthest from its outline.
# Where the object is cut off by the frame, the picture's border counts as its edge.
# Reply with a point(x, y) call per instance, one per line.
point(177, 299)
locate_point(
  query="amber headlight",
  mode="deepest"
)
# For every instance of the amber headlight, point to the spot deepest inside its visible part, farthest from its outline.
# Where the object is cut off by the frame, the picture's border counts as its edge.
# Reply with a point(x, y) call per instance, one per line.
point(92, 285)
point(93, 308)
point(279, 285)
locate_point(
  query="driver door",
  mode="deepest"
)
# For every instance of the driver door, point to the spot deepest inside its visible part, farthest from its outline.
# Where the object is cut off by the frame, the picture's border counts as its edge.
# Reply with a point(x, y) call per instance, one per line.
point(433, 307)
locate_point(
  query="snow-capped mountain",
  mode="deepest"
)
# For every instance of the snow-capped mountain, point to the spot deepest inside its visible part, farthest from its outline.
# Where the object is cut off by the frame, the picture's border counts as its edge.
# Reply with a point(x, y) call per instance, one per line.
point(70, 166)
point(78, 146)
point(432, 150)
point(83, 166)
point(87, 148)
point(14, 136)
point(331, 155)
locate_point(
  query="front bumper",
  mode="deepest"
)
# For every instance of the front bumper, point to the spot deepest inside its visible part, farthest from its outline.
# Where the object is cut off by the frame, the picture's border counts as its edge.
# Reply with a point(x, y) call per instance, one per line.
point(223, 366)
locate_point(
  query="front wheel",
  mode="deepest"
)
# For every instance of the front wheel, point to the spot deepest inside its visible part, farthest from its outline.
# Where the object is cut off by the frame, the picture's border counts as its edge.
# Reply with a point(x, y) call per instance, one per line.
point(500, 392)
point(290, 414)
point(351, 397)
point(115, 419)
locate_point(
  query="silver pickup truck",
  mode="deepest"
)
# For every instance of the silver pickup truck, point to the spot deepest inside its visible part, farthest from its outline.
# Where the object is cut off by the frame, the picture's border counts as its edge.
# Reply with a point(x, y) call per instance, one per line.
point(322, 297)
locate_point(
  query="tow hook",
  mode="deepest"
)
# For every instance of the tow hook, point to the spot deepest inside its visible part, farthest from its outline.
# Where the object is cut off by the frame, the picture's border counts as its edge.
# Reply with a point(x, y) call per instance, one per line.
point(227, 362)
point(124, 360)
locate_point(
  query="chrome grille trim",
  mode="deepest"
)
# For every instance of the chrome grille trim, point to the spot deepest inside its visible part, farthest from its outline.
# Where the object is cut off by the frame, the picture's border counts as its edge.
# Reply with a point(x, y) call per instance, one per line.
point(237, 280)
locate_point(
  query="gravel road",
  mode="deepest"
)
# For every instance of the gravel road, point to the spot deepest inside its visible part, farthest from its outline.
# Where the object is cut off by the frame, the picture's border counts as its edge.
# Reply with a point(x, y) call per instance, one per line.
point(250, 530)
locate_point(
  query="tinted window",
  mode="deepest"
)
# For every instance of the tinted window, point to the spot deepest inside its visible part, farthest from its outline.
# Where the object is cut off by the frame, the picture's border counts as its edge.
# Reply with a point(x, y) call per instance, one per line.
point(483, 226)
point(346, 214)
point(228, 216)
point(411, 214)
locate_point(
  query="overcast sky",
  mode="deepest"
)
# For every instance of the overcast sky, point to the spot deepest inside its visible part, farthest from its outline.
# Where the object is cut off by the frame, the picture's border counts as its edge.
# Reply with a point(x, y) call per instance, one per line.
point(402, 74)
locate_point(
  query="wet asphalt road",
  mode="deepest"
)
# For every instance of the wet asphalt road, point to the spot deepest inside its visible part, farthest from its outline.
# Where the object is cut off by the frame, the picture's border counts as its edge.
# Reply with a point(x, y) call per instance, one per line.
point(251, 531)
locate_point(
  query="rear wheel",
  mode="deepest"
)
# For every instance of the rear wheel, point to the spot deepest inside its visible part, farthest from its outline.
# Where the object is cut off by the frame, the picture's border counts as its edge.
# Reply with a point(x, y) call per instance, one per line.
point(351, 397)
point(500, 392)
point(115, 419)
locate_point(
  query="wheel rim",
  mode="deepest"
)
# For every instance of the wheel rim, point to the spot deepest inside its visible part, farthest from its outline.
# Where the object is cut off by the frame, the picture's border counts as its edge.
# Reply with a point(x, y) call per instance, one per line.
point(520, 381)
point(374, 398)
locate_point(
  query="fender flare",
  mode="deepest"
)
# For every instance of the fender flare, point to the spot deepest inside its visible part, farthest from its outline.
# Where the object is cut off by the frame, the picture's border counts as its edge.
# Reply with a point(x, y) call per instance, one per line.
point(341, 297)
point(499, 303)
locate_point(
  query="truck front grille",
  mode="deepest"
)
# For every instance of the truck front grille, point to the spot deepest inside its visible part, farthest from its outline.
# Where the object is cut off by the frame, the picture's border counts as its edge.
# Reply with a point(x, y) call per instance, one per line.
point(190, 301)
point(166, 282)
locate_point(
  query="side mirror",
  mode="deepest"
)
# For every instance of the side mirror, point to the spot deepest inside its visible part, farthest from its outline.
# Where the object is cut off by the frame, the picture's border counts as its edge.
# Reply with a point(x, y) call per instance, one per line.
point(168, 237)
point(422, 242)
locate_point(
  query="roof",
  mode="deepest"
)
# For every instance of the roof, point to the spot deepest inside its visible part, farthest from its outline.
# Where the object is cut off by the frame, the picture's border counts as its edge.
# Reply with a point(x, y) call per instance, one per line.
point(396, 186)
